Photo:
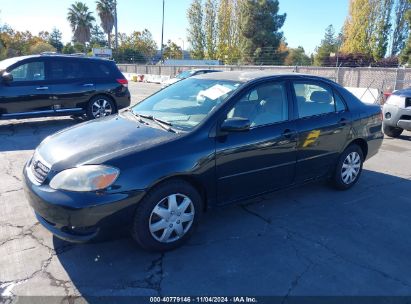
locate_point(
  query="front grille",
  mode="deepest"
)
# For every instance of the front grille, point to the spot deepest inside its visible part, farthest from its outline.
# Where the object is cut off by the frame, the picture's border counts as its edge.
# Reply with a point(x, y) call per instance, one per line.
point(39, 170)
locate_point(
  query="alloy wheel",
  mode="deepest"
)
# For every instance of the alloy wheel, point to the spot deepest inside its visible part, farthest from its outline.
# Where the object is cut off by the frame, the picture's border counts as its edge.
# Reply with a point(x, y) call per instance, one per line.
point(101, 108)
point(171, 218)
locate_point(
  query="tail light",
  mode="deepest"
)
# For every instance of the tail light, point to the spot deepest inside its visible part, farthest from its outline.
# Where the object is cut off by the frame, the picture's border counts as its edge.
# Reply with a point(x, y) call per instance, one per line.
point(123, 82)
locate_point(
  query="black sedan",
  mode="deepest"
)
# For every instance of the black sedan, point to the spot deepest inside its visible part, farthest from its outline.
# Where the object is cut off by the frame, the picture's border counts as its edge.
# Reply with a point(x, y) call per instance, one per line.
point(206, 141)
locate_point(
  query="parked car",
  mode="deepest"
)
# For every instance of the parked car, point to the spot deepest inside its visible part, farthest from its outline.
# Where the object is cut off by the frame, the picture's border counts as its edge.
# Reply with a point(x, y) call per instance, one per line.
point(158, 166)
point(397, 113)
point(186, 74)
point(58, 85)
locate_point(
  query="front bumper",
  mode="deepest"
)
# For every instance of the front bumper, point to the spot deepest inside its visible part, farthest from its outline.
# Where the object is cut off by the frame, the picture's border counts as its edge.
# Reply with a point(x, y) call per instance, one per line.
point(80, 217)
point(397, 117)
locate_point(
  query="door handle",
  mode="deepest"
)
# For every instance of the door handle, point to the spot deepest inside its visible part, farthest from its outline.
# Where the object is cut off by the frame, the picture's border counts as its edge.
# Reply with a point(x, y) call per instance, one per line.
point(42, 88)
point(288, 133)
point(88, 85)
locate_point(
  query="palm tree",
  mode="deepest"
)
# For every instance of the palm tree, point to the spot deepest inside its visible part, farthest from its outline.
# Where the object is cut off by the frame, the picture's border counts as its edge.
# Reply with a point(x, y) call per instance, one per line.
point(105, 10)
point(81, 21)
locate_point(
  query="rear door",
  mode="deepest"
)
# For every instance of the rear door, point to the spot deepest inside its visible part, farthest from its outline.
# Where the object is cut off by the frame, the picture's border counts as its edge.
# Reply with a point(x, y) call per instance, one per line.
point(29, 91)
point(323, 127)
point(72, 85)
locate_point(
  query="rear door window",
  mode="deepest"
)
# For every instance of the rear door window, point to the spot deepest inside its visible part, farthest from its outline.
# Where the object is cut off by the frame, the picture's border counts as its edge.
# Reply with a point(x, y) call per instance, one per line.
point(67, 70)
point(313, 99)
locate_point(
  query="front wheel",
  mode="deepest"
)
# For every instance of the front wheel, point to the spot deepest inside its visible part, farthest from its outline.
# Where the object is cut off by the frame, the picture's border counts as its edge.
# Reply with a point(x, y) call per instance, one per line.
point(100, 106)
point(392, 131)
point(349, 168)
point(167, 216)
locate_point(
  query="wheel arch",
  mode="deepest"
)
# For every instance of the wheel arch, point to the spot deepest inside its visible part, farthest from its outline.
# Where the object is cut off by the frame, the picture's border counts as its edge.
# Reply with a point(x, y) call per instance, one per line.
point(194, 182)
point(362, 143)
point(84, 105)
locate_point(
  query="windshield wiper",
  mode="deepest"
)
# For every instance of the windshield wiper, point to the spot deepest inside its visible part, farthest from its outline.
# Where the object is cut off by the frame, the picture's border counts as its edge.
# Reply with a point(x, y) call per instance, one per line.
point(162, 123)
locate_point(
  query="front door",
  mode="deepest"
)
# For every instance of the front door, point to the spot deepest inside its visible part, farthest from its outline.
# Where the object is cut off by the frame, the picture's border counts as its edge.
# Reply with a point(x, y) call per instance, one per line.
point(263, 158)
point(29, 90)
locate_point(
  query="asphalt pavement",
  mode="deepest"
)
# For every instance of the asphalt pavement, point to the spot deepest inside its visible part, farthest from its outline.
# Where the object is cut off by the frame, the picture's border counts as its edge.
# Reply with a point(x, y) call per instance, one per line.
point(308, 241)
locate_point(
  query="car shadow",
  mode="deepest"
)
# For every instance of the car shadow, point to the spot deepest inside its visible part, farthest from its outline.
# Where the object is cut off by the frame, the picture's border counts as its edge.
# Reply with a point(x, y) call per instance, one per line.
point(120, 268)
point(17, 135)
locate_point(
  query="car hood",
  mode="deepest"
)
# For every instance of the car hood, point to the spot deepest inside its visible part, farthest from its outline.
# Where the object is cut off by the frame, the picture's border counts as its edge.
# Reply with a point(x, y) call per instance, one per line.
point(404, 92)
point(97, 141)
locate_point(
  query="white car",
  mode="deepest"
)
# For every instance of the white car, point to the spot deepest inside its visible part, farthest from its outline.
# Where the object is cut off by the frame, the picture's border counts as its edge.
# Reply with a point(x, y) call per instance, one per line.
point(184, 75)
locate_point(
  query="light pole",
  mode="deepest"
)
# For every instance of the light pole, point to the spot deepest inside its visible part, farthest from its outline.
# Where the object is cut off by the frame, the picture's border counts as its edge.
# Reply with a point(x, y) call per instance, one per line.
point(183, 47)
point(162, 36)
point(115, 24)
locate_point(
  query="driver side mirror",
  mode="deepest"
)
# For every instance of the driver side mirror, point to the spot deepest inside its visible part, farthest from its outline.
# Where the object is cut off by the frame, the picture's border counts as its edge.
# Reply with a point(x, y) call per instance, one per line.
point(7, 77)
point(236, 124)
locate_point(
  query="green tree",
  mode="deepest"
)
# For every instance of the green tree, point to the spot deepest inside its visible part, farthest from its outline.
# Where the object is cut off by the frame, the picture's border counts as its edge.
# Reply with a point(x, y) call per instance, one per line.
point(228, 49)
point(297, 57)
point(97, 38)
point(105, 10)
point(382, 27)
point(68, 48)
point(210, 28)
point(141, 43)
point(406, 53)
point(400, 30)
point(260, 26)
point(172, 50)
point(55, 39)
point(81, 21)
point(195, 29)
point(41, 47)
point(367, 28)
point(328, 45)
point(356, 28)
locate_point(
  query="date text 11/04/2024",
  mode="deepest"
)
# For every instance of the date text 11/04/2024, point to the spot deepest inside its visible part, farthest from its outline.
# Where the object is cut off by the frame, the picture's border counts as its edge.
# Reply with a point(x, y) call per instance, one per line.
point(203, 300)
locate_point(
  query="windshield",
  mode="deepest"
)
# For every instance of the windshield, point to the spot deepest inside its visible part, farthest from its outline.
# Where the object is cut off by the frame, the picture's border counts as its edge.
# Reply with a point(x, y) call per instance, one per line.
point(185, 74)
point(4, 64)
point(187, 103)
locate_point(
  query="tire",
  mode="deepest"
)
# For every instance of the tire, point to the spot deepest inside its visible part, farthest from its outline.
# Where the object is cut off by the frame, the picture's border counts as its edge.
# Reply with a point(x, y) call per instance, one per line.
point(100, 106)
point(352, 157)
point(155, 232)
point(392, 131)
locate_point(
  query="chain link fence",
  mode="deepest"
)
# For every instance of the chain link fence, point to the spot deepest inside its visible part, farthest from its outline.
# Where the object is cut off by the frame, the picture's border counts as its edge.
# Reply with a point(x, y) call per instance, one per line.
point(383, 79)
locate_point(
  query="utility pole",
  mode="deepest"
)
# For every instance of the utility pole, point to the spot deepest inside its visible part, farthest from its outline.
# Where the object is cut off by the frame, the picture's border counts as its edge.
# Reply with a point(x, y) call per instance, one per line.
point(162, 36)
point(183, 47)
point(115, 24)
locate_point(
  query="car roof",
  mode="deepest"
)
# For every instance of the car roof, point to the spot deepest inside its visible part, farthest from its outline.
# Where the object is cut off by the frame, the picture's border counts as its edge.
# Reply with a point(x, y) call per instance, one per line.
point(57, 56)
point(199, 70)
point(245, 76)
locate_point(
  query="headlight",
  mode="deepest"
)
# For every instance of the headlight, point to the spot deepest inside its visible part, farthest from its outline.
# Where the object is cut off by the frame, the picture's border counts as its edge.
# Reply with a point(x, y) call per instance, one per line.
point(396, 100)
point(85, 178)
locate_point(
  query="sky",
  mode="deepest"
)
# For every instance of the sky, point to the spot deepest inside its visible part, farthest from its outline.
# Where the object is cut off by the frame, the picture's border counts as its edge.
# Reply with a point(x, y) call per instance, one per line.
point(304, 26)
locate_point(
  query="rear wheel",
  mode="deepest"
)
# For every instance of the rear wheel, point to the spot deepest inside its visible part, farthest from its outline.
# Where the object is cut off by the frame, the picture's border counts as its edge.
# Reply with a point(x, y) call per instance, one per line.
point(349, 168)
point(167, 216)
point(392, 131)
point(100, 106)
